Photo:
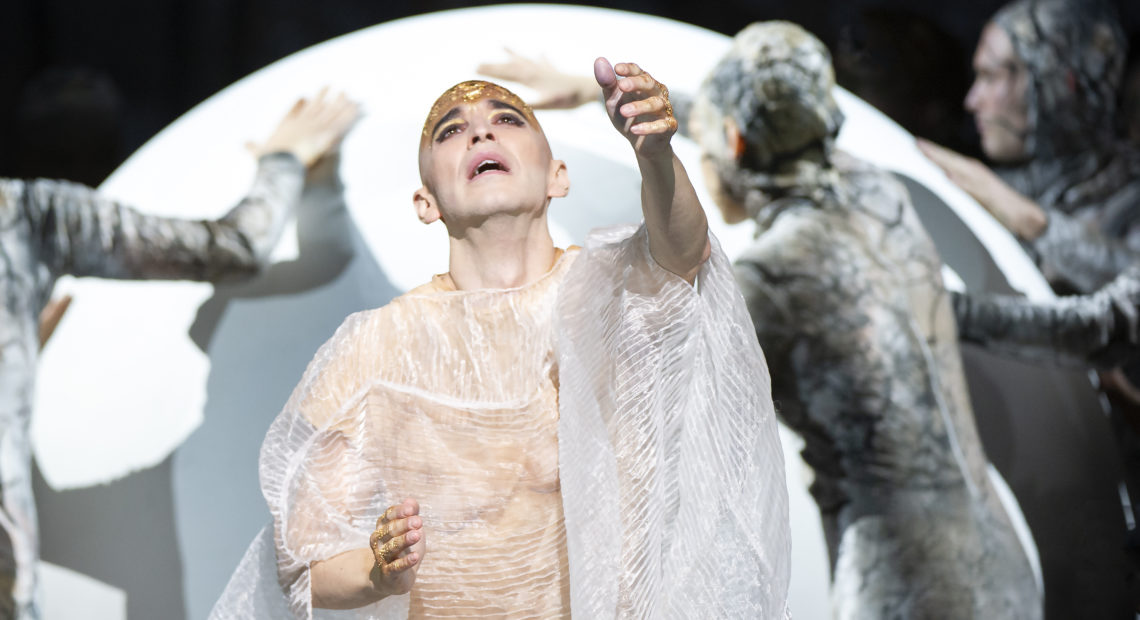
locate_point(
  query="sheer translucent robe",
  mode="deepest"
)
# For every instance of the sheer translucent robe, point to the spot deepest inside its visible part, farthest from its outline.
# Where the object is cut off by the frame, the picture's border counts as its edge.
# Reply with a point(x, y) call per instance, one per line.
point(601, 441)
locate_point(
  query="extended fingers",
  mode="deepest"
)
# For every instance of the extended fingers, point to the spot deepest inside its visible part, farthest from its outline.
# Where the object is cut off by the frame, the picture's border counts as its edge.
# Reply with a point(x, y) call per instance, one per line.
point(312, 107)
point(397, 554)
point(604, 73)
point(942, 157)
point(511, 71)
point(333, 109)
point(391, 550)
point(649, 105)
point(661, 125)
point(408, 508)
point(346, 113)
point(518, 69)
point(966, 172)
point(627, 69)
point(401, 564)
point(398, 527)
point(640, 82)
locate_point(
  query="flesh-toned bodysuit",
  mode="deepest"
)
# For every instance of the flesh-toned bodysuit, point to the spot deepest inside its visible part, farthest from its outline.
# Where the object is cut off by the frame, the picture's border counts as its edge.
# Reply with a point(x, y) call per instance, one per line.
point(569, 441)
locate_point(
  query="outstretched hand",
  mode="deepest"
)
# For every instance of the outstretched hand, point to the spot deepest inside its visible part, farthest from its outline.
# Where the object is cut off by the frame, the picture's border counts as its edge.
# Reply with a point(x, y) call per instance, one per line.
point(638, 105)
point(398, 545)
point(556, 90)
point(312, 129)
point(1017, 213)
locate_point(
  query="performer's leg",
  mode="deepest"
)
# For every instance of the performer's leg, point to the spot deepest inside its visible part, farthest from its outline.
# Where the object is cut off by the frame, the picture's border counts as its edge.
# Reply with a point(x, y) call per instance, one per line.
point(18, 540)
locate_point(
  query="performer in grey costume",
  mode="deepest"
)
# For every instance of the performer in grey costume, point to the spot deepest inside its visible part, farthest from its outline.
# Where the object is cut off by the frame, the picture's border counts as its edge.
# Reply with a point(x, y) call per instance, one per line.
point(52, 228)
point(1044, 99)
point(845, 291)
point(1084, 176)
point(1101, 329)
point(1048, 76)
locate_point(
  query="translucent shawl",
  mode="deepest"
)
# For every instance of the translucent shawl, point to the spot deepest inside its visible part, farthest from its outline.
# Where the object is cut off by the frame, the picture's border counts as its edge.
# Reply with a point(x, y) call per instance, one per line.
point(644, 400)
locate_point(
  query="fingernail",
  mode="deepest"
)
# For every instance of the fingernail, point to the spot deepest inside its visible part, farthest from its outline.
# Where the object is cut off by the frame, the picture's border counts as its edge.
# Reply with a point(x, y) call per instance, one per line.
point(413, 536)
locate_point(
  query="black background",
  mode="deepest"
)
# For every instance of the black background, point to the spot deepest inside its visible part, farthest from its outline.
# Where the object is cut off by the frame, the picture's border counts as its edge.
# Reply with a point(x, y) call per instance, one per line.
point(88, 81)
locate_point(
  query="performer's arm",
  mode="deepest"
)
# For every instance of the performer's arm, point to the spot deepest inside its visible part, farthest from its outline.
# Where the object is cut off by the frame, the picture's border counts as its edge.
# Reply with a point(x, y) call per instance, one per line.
point(85, 234)
point(639, 108)
point(1102, 329)
point(1022, 217)
point(388, 567)
point(1068, 250)
point(556, 90)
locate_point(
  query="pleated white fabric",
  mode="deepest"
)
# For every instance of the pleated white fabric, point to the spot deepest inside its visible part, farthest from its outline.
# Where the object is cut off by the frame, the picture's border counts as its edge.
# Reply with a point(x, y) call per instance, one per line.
point(601, 441)
point(667, 436)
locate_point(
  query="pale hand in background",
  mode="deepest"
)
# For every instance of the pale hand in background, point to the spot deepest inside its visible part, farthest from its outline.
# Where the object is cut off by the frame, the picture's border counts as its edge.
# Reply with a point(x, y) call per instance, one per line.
point(312, 129)
point(1017, 213)
point(556, 90)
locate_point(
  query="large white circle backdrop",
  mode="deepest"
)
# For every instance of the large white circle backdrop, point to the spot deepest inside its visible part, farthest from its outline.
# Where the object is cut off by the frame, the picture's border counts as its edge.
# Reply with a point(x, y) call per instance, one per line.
point(140, 371)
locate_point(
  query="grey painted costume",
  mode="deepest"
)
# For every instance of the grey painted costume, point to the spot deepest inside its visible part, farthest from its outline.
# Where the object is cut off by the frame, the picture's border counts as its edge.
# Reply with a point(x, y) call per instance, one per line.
point(845, 291)
point(1101, 329)
point(52, 228)
point(1076, 168)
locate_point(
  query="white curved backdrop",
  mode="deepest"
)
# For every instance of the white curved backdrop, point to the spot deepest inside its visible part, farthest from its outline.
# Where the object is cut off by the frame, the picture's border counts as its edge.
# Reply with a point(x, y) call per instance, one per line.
point(154, 397)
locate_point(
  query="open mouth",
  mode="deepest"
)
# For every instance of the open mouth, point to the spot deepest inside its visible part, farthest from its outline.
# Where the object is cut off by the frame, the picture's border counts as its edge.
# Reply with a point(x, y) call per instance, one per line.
point(486, 165)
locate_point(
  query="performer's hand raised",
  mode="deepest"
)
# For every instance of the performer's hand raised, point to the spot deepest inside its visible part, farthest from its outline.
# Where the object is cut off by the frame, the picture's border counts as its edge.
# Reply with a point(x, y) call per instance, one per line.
point(312, 129)
point(638, 105)
point(398, 544)
point(1019, 214)
point(555, 90)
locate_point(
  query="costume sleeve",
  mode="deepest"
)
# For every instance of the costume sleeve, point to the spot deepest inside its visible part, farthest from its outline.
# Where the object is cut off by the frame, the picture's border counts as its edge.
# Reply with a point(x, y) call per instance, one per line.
point(667, 433)
point(1102, 329)
point(85, 234)
point(1080, 255)
point(310, 469)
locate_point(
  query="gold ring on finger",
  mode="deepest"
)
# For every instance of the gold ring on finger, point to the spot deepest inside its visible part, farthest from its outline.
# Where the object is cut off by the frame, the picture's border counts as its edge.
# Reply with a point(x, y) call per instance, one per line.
point(388, 548)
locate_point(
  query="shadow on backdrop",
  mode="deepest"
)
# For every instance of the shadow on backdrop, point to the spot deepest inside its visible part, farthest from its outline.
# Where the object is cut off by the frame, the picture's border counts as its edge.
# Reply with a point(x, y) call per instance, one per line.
point(193, 515)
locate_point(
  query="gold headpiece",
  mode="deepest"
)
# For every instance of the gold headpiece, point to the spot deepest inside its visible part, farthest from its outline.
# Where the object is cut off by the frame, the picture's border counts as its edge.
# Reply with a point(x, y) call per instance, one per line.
point(472, 91)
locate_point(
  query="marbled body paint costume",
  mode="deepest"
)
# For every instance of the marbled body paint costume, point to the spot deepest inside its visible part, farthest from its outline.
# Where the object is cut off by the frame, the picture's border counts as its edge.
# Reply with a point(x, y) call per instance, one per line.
point(52, 228)
point(1087, 179)
point(1101, 329)
point(845, 291)
point(1075, 167)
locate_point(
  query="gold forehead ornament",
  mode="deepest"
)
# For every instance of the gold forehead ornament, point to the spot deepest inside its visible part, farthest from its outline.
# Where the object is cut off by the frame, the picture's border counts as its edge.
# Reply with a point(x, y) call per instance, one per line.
point(472, 91)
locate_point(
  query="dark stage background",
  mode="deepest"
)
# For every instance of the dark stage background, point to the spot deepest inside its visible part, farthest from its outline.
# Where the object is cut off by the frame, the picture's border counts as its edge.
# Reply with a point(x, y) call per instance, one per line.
point(89, 81)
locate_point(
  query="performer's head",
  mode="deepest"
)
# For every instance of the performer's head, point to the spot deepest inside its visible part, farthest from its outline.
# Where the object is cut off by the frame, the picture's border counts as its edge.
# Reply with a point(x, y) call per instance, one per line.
point(765, 114)
point(483, 154)
point(1047, 76)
